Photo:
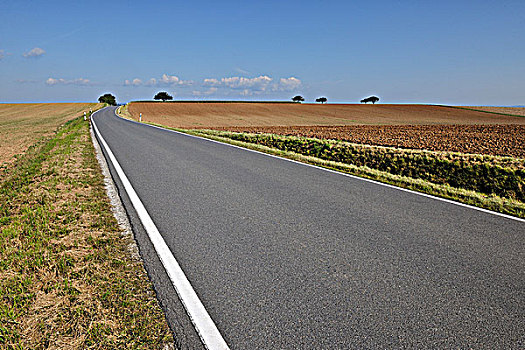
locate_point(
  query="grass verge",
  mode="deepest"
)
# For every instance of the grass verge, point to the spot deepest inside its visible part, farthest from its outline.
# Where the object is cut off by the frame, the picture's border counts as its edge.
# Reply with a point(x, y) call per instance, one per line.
point(67, 278)
point(424, 171)
point(502, 176)
point(124, 112)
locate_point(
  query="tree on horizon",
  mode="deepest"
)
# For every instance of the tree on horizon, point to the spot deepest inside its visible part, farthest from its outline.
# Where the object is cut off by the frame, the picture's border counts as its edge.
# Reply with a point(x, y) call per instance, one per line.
point(163, 95)
point(298, 98)
point(321, 99)
point(108, 98)
point(372, 99)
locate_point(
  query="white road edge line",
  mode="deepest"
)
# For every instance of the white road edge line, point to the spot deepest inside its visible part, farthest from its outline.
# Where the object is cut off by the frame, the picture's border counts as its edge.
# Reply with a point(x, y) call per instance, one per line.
point(200, 318)
point(339, 172)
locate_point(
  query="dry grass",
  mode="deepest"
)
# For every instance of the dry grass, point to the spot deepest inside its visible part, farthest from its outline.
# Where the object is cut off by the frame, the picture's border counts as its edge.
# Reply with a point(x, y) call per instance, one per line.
point(67, 278)
point(23, 124)
point(211, 115)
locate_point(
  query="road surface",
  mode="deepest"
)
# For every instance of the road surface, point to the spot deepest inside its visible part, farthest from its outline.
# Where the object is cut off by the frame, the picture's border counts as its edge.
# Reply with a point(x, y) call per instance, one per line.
point(284, 255)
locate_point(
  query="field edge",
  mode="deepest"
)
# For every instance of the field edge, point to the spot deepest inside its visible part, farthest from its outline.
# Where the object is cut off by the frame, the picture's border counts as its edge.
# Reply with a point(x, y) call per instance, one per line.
point(492, 203)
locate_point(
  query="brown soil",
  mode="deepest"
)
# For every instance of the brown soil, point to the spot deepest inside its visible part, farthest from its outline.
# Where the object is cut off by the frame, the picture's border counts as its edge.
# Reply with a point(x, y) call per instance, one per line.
point(199, 115)
point(505, 140)
point(22, 124)
point(504, 110)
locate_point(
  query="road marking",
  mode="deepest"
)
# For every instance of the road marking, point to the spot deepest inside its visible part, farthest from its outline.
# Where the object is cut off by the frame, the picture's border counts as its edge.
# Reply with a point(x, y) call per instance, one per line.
point(200, 318)
point(339, 173)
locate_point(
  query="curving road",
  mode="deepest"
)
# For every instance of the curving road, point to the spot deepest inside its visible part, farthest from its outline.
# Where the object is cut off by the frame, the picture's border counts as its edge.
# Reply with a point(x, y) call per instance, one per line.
point(289, 256)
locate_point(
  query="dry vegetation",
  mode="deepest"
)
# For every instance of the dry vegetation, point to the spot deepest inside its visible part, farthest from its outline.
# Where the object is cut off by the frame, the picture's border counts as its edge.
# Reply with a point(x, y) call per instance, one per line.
point(67, 277)
point(23, 124)
point(212, 115)
point(502, 140)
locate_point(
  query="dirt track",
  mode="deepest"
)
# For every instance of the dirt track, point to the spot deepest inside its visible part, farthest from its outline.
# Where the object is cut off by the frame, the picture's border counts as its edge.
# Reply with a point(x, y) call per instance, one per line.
point(199, 115)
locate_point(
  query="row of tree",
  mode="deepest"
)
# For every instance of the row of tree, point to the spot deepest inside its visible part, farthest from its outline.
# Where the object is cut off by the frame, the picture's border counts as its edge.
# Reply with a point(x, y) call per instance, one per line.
point(322, 100)
point(164, 96)
point(112, 101)
point(300, 99)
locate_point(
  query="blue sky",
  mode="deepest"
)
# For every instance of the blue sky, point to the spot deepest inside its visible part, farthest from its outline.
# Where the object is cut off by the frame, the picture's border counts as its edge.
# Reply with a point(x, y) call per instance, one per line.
point(450, 52)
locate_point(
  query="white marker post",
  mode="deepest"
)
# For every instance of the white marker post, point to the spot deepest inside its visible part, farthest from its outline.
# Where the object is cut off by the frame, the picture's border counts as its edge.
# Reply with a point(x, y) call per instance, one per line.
point(85, 116)
point(140, 117)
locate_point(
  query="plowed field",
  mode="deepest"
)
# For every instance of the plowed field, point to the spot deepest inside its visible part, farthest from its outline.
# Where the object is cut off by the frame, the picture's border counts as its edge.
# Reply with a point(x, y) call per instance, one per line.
point(193, 115)
point(408, 126)
point(504, 140)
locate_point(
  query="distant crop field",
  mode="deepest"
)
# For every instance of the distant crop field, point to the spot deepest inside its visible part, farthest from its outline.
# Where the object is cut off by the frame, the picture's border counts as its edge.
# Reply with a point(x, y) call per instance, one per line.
point(23, 124)
point(504, 110)
point(212, 115)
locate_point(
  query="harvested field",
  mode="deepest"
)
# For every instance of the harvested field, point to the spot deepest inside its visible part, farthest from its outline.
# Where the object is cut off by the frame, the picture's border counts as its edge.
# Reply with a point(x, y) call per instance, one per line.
point(211, 115)
point(503, 140)
point(22, 124)
point(504, 110)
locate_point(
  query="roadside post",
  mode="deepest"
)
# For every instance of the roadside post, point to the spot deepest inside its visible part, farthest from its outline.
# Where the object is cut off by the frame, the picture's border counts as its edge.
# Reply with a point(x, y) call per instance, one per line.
point(85, 118)
point(140, 117)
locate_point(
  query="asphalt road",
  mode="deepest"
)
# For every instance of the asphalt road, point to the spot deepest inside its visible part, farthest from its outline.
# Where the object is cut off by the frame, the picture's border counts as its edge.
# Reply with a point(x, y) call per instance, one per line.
point(288, 256)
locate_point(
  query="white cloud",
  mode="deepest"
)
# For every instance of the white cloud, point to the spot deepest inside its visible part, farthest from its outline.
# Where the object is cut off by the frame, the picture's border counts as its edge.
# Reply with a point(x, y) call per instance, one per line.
point(257, 84)
point(211, 82)
point(169, 79)
point(34, 53)
point(226, 86)
point(151, 82)
point(244, 86)
point(60, 81)
point(288, 84)
point(165, 80)
point(134, 82)
point(173, 80)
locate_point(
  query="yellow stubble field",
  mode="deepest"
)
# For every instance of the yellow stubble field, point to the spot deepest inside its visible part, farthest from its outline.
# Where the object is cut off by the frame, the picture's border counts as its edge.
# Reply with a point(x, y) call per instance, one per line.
point(23, 124)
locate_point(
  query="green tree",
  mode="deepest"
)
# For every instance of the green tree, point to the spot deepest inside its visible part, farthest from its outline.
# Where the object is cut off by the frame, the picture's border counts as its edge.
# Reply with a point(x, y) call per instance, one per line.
point(321, 99)
point(298, 98)
point(372, 99)
point(109, 99)
point(163, 95)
